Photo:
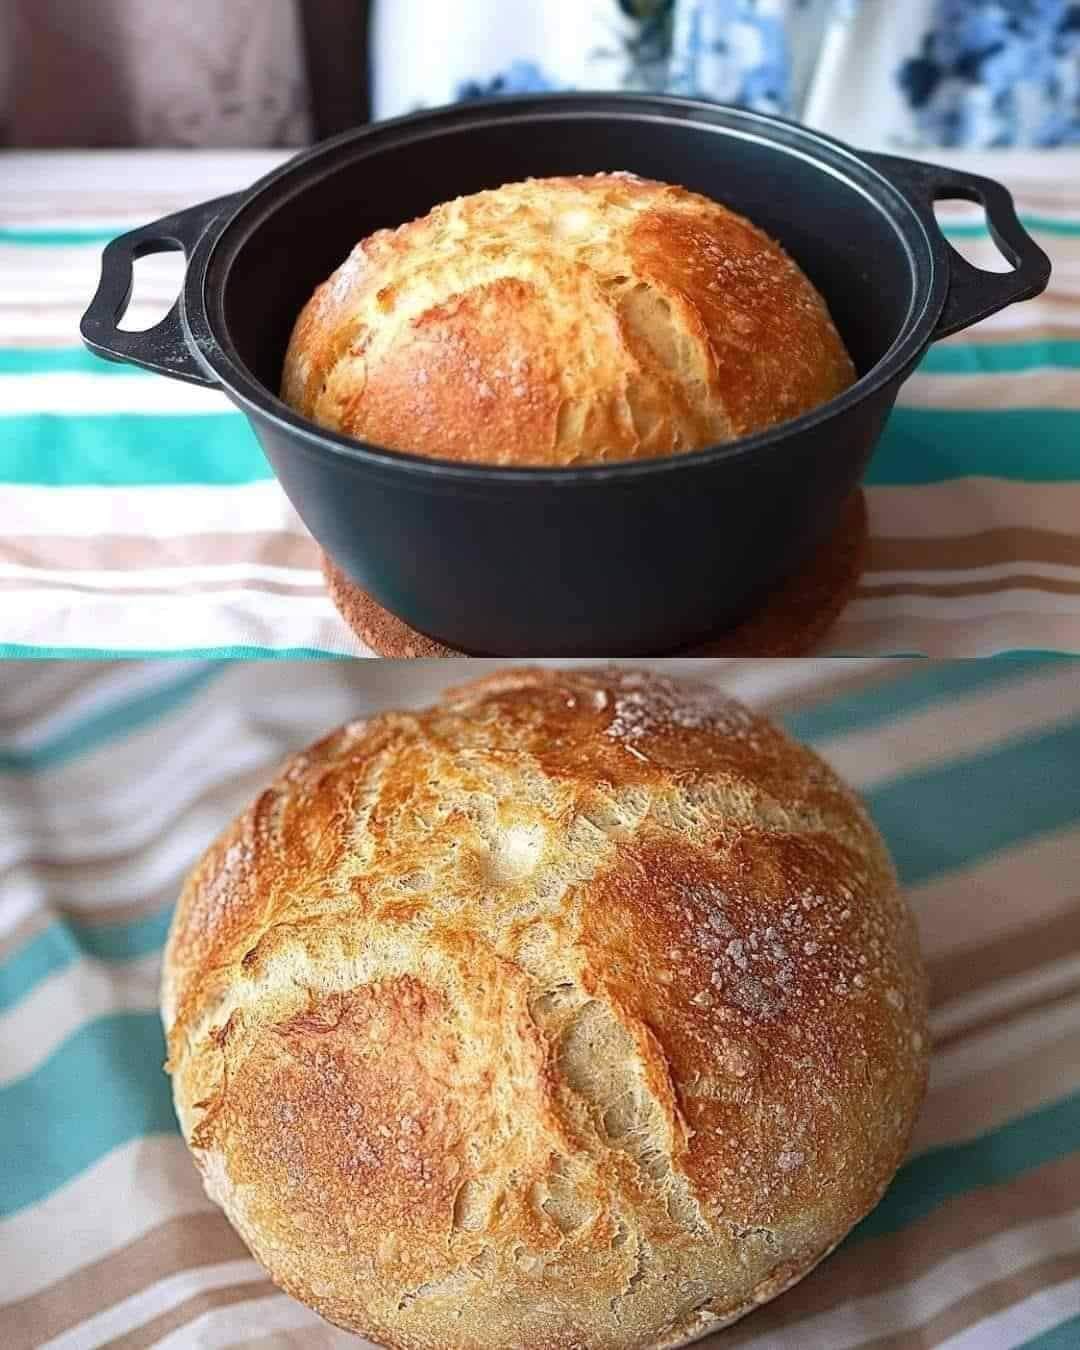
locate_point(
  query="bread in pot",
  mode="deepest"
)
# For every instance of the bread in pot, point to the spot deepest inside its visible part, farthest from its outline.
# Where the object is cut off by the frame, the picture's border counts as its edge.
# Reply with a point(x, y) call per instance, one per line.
point(580, 1010)
point(564, 321)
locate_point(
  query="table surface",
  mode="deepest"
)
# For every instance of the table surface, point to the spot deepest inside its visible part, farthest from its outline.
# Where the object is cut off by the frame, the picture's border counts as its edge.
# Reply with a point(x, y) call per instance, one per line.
point(139, 515)
point(118, 776)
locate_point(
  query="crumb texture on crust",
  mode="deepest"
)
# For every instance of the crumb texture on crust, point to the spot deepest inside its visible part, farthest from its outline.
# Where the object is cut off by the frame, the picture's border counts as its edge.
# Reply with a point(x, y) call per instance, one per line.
point(579, 1010)
point(565, 321)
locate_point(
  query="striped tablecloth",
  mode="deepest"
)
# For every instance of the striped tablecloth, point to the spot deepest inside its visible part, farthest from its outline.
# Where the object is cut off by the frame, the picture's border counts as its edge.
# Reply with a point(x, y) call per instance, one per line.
point(138, 515)
point(112, 780)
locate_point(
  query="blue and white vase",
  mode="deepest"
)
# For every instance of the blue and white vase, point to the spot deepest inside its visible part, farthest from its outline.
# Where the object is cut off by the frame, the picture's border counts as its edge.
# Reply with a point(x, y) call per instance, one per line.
point(915, 75)
point(426, 54)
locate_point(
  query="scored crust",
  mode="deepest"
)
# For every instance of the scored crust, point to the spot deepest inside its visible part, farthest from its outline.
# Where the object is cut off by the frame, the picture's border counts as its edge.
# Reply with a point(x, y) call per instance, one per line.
point(565, 321)
point(580, 1010)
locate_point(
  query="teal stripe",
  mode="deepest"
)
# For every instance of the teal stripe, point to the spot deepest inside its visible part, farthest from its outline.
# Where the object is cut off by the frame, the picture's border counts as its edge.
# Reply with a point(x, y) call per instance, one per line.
point(989, 358)
point(108, 724)
point(933, 1179)
point(62, 361)
point(955, 814)
point(1038, 224)
point(1065, 1336)
point(130, 450)
point(899, 696)
point(64, 943)
point(922, 445)
point(45, 238)
point(101, 1089)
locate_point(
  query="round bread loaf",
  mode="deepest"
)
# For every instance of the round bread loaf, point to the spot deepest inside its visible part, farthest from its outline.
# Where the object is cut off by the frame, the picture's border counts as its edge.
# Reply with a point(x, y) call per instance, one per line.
point(580, 1010)
point(565, 321)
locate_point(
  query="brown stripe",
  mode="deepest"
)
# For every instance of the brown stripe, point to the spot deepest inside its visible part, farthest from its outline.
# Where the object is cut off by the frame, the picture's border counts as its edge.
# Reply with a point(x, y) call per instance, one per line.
point(983, 1302)
point(1053, 299)
point(187, 1242)
point(1045, 332)
point(1051, 586)
point(130, 552)
point(1036, 1003)
point(973, 550)
point(877, 1264)
point(22, 585)
point(973, 968)
point(153, 1332)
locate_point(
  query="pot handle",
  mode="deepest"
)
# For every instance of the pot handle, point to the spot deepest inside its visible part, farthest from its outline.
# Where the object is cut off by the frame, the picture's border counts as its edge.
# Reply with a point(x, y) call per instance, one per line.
point(163, 348)
point(973, 293)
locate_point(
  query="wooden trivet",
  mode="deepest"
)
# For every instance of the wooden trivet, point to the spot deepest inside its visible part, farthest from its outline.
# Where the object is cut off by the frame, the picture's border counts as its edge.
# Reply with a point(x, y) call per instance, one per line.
point(792, 622)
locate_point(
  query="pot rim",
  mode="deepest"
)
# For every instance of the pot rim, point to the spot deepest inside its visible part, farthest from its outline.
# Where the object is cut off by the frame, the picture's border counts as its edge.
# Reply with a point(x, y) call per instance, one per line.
point(202, 312)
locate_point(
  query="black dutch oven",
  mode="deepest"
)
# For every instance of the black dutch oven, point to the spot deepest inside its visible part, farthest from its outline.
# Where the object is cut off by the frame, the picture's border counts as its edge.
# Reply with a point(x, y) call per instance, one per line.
point(622, 559)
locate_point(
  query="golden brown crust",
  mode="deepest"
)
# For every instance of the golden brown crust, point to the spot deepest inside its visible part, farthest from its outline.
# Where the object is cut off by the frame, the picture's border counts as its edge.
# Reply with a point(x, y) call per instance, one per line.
point(565, 321)
point(578, 1010)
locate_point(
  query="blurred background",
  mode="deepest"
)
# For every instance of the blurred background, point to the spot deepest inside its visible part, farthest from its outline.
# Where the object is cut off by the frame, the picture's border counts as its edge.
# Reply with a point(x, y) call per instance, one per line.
point(274, 73)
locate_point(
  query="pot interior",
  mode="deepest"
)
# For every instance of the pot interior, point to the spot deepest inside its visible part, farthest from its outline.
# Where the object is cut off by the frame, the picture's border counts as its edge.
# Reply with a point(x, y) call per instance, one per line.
point(863, 254)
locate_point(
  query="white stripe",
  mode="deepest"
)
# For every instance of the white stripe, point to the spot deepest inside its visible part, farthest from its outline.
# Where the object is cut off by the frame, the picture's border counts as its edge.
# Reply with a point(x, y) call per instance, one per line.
point(243, 1322)
point(121, 882)
point(18, 902)
point(136, 1187)
point(44, 177)
point(190, 573)
point(34, 276)
point(1005, 571)
point(912, 1304)
point(1021, 1322)
point(152, 1302)
point(1038, 388)
point(954, 729)
point(60, 327)
point(57, 1007)
point(1029, 883)
point(147, 512)
point(133, 818)
point(123, 623)
point(75, 394)
point(979, 1053)
point(1044, 982)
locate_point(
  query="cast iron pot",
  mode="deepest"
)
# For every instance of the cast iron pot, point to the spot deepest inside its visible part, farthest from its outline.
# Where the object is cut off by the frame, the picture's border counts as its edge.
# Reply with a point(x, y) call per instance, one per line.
point(627, 559)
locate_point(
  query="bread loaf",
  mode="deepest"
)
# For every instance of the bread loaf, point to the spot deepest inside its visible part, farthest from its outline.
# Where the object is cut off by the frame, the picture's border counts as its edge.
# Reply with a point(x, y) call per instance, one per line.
point(565, 321)
point(580, 1010)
